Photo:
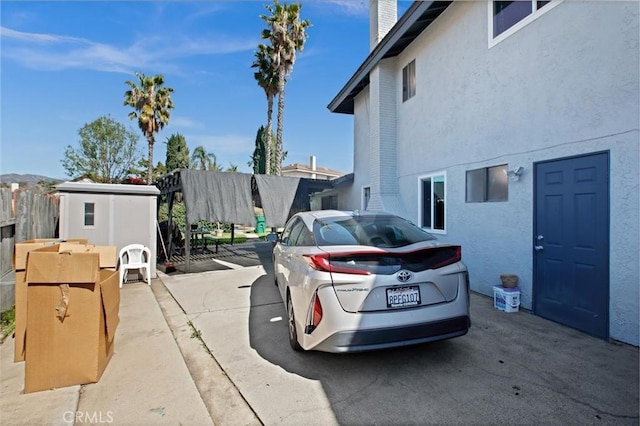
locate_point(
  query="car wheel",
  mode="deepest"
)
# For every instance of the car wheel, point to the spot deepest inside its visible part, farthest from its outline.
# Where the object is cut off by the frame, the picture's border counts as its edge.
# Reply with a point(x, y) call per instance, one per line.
point(275, 274)
point(293, 334)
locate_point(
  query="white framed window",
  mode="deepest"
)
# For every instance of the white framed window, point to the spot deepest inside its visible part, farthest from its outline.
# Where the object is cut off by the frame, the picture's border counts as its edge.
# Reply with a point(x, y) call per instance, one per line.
point(409, 81)
point(507, 17)
point(89, 214)
point(487, 184)
point(366, 196)
point(433, 202)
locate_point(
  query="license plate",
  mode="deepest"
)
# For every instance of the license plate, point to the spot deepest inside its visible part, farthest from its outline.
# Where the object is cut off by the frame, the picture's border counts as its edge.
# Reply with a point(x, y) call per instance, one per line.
point(400, 297)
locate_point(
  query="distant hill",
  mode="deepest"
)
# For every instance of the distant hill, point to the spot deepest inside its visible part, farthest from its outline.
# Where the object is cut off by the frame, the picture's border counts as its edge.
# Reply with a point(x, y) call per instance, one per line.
point(29, 179)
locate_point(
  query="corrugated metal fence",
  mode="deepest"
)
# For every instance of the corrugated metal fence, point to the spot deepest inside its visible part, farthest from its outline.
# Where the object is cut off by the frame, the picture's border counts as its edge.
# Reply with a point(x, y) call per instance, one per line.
point(35, 216)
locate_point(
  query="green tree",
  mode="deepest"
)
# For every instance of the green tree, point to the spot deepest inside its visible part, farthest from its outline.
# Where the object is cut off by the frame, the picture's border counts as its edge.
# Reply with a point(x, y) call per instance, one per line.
point(267, 77)
point(139, 171)
point(177, 214)
point(159, 170)
point(233, 168)
point(287, 35)
point(205, 160)
point(106, 152)
point(177, 152)
point(151, 103)
point(257, 162)
point(215, 167)
point(258, 158)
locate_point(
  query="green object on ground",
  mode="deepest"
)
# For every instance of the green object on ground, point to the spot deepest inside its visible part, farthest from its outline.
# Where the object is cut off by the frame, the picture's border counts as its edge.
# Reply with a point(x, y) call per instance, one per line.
point(260, 224)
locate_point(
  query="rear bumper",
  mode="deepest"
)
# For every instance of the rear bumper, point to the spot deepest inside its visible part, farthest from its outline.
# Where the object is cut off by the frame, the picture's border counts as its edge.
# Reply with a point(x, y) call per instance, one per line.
point(381, 338)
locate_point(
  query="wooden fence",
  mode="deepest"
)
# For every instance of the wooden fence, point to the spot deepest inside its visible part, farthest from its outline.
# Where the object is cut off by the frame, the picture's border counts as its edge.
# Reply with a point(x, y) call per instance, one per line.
point(24, 215)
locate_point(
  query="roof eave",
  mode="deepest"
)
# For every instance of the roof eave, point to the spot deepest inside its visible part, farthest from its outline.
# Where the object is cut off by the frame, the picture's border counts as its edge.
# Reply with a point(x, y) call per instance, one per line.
point(389, 46)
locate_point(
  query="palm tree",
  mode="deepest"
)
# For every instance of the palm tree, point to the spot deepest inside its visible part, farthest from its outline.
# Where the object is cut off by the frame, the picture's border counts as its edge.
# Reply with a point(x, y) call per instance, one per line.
point(287, 35)
point(267, 78)
point(233, 168)
point(151, 103)
point(206, 160)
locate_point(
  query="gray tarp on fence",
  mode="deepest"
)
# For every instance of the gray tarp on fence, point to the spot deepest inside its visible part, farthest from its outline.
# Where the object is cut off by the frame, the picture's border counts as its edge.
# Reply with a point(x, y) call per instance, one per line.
point(217, 196)
point(227, 197)
point(276, 194)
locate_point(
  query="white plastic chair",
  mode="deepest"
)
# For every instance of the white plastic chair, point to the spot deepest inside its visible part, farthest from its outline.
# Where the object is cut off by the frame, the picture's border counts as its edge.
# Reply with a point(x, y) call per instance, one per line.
point(135, 256)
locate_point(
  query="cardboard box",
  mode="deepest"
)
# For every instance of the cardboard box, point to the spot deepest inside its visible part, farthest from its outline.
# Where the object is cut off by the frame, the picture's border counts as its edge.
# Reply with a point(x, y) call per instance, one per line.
point(20, 252)
point(21, 249)
point(72, 317)
point(108, 260)
point(108, 256)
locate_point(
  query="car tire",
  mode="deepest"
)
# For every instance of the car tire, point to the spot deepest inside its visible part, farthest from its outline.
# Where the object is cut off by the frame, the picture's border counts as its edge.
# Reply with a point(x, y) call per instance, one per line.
point(293, 334)
point(275, 275)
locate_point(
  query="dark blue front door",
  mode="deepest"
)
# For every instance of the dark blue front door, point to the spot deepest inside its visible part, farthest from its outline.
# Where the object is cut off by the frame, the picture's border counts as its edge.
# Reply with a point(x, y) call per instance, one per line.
point(571, 242)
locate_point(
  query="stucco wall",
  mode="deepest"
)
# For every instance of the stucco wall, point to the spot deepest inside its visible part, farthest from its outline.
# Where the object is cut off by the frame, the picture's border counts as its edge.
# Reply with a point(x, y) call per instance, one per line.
point(361, 152)
point(566, 84)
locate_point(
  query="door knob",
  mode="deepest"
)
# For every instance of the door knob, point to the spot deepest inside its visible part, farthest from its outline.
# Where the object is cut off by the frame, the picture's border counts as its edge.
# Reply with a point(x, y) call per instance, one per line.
point(538, 248)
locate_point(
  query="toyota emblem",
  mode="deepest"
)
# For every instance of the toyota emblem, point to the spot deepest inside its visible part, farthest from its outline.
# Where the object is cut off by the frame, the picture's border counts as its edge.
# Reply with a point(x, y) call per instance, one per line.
point(404, 276)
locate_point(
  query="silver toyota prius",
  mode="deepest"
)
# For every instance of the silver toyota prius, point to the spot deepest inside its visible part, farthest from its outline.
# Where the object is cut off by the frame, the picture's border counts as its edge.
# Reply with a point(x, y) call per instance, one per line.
point(356, 281)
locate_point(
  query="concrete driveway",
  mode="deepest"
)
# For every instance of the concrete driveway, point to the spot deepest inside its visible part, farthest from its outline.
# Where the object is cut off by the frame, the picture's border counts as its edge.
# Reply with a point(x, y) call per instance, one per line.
point(512, 368)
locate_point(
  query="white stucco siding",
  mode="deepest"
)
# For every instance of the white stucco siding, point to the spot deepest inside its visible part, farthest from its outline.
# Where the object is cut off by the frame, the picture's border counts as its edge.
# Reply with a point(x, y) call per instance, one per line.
point(361, 151)
point(382, 136)
point(564, 85)
point(624, 231)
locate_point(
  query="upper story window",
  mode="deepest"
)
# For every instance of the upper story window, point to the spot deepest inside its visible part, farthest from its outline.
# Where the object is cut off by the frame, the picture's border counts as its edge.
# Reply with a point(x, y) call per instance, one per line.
point(89, 214)
point(409, 81)
point(506, 17)
point(432, 202)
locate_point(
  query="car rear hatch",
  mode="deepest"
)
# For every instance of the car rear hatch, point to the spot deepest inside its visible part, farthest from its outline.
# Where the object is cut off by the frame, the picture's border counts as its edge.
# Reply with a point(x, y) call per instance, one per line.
point(372, 279)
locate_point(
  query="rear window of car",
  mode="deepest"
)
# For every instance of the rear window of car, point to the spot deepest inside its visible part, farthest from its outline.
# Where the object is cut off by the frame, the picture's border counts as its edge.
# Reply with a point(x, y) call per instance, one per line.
point(371, 230)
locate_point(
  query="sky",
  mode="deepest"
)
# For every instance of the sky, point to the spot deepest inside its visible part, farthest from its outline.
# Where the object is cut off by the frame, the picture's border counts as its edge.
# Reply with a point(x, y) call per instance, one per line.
point(65, 64)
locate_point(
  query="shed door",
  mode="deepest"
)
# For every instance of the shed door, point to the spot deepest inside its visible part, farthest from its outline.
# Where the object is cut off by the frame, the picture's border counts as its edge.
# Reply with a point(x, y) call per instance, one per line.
point(571, 242)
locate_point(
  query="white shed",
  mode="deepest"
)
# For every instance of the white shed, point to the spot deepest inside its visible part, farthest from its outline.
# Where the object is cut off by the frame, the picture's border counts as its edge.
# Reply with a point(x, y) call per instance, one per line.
point(110, 214)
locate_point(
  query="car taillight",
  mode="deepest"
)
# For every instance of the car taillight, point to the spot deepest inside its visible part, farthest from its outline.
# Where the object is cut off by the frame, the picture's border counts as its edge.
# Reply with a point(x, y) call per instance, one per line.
point(451, 255)
point(316, 315)
point(317, 311)
point(320, 262)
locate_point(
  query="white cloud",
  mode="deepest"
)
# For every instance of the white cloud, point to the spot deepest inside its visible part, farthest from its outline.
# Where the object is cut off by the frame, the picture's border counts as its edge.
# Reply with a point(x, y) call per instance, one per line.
point(60, 52)
point(205, 10)
point(8, 33)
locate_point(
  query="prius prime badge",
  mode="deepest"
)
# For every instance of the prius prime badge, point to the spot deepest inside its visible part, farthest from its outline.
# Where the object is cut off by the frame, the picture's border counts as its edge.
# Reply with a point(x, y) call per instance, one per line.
point(404, 276)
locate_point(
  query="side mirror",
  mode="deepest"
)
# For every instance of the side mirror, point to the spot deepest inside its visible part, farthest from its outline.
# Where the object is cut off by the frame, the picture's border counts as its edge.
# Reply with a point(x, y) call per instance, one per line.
point(272, 238)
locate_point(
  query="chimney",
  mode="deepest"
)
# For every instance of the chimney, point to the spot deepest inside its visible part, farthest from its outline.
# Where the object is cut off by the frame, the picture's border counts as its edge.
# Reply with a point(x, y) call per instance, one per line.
point(383, 15)
point(313, 166)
